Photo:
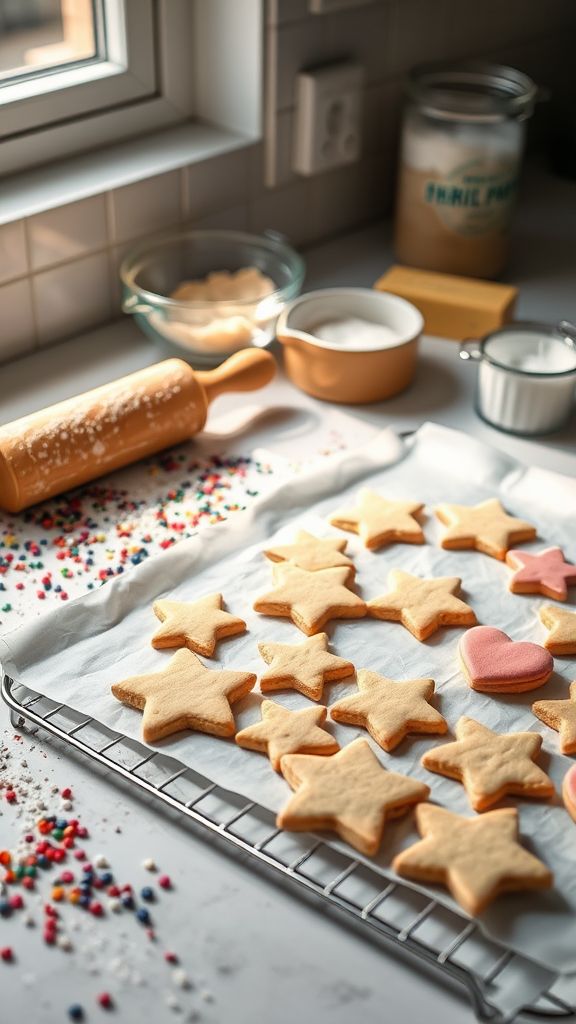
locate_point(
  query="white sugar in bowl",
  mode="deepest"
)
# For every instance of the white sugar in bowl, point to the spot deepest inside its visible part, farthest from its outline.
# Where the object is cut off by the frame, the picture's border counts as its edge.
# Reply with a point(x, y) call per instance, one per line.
point(526, 376)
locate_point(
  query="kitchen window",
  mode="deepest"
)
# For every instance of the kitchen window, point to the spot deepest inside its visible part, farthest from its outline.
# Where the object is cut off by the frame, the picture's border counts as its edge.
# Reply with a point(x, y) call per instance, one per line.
point(75, 74)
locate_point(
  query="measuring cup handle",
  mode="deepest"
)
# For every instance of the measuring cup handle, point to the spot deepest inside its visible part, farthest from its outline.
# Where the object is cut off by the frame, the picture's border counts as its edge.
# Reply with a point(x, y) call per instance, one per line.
point(470, 349)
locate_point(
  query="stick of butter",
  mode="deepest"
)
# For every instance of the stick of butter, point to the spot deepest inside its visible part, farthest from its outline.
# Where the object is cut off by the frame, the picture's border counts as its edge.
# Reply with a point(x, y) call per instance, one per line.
point(452, 307)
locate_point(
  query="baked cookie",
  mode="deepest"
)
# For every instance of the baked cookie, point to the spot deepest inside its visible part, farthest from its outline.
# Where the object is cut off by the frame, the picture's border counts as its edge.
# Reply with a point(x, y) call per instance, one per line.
point(197, 625)
point(485, 527)
point(312, 553)
point(284, 732)
point(350, 793)
point(185, 695)
point(379, 521)
point(561, 624)
point(493, 663)
point(477, 859)
point(569, 791)
point(546, 573)
point(390, 709)
point(310, 599)
point(422, 605)
point(560, 715)
point(491, 765)
point(304, 667)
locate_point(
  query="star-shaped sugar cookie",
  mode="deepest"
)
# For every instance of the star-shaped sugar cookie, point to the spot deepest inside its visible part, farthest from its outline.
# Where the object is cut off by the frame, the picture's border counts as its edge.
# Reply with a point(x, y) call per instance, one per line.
point(304, 667)
point(491, 765)
point(312, 553)
point(282, 732)
point(379, 521)
point(546, 573)
point(349, 792)
point(185, 695)
point(197, 625)
point(389, 710)
point(560, 715)
point(422, 605)
point(477, 859)
point(310, 599)
point(485, 527)
point(561, 624)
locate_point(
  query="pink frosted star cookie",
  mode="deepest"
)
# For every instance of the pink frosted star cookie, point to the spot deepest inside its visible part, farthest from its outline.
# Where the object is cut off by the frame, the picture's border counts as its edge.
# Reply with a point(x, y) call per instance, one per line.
point(546, 573)
point(493, 663)
point(569, 791)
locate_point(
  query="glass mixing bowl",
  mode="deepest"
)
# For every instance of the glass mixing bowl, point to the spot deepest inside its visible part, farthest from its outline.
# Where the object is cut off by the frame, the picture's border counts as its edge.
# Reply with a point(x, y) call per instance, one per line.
point(208, 330)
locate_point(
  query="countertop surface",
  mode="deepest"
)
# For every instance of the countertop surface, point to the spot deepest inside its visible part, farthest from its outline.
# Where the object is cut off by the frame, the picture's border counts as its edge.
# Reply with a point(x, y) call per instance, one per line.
point(252, 951)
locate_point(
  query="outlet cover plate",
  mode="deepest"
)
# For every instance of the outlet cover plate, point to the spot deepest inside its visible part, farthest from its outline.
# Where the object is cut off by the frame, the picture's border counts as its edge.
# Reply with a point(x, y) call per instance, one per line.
point(328, 124)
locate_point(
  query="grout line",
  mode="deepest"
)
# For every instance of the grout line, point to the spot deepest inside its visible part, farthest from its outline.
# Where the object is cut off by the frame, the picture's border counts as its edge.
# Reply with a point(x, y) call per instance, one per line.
point(185, 192)
point(29, 276)
point(110, 213)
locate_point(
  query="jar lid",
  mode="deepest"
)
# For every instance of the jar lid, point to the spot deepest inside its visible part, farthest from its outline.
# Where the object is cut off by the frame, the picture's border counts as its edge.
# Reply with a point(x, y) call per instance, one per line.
point(473, 91)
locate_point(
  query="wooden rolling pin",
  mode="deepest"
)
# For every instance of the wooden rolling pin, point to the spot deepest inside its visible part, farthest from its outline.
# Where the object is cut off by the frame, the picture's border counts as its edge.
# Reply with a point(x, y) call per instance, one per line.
point(84, 437)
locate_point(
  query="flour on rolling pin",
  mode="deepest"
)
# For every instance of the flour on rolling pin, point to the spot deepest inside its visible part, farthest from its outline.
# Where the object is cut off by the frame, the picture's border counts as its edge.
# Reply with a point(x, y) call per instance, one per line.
point(77, 440)
point(354, 333)
point(217, 324)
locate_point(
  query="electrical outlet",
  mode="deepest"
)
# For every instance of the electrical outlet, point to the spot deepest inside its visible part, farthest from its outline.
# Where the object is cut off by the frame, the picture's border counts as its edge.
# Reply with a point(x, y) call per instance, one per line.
point(328, 118)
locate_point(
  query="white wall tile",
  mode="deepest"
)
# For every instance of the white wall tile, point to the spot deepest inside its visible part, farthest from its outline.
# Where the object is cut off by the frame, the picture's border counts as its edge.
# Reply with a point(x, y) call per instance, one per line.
point(233, 218)
point(67, 232)
point(13, 258)
point(382, 114)
point(364, 35)
point(286, 210)
point(278, 12)
point(419, 32)
point(17, 335)
point(214, 184)
point(72, 298)
point(283, 152)
point(115, 257)
point(349, 196)
point(146, 206)
point(470, 30)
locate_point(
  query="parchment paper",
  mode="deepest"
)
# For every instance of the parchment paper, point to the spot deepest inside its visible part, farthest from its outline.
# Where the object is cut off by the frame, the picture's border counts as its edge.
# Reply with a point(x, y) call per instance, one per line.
point(75, 653)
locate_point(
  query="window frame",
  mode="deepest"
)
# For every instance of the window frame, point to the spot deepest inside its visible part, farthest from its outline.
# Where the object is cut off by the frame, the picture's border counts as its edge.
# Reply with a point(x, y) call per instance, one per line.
point(146, 85)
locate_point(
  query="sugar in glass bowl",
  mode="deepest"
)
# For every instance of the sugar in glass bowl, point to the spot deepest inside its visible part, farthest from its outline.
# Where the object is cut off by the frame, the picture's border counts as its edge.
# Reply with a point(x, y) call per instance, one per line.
point(210, 293)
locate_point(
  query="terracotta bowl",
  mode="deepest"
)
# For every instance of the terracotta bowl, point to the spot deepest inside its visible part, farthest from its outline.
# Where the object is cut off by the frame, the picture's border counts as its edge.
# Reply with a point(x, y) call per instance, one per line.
point(348, 371)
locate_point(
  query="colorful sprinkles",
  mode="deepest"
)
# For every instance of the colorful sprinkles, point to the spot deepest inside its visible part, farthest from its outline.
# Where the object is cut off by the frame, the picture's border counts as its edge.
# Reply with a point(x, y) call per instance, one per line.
point(48, 555)
point(59, 549)
point(41, 868)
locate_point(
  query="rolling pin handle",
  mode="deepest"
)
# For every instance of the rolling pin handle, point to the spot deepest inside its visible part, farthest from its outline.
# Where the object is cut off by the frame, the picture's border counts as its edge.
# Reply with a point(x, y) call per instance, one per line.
point(247, 370)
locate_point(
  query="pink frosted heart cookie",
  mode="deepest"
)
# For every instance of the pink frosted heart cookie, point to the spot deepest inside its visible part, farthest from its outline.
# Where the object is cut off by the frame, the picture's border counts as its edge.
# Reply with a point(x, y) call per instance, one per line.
point(546, 573)
point(569, 791)
point(493, 663)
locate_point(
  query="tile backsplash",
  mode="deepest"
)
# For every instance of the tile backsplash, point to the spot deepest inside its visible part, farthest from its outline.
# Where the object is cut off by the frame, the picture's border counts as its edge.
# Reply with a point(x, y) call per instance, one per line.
point(59, 269)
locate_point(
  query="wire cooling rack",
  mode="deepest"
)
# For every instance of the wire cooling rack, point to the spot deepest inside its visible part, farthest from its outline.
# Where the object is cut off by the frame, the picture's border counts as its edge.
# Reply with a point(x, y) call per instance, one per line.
point(500, 983)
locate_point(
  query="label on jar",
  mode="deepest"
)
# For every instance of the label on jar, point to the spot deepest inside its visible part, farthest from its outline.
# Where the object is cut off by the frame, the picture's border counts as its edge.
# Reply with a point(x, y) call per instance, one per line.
point(473, 199)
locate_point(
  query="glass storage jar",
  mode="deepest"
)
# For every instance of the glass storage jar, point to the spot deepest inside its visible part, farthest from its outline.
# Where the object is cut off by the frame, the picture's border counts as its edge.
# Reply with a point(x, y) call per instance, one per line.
point(462, 142)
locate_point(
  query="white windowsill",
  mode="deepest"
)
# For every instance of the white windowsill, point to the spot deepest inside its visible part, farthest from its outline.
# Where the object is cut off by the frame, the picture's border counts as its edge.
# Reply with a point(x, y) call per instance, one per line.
point(91, 173)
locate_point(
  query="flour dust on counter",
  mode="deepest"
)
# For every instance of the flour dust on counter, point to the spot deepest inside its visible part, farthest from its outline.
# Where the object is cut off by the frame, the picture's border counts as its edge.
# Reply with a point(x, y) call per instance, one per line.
point(57, 550)
point(58, 892)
